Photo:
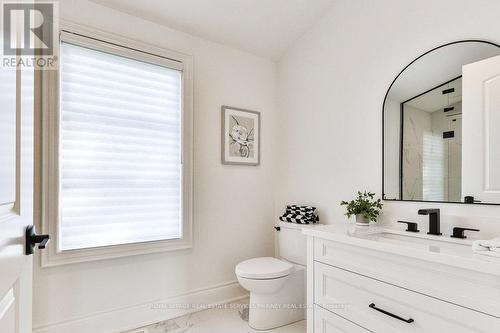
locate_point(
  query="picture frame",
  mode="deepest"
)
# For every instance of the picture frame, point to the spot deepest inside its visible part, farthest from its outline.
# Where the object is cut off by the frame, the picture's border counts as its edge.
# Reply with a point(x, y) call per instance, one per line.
point(240, 136)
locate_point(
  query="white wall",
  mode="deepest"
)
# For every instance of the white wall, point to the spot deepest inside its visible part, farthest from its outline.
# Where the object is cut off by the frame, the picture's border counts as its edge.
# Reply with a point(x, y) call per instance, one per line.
point(233, 205)
point(332, 85)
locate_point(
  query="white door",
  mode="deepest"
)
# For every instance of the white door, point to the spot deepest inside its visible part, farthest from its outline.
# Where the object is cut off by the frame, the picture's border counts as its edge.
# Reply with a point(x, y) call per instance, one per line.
point(16, 198)
point(481, 130)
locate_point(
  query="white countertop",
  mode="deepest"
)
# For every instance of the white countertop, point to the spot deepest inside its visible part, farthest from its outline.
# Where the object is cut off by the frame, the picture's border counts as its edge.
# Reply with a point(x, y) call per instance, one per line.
point(438, 249)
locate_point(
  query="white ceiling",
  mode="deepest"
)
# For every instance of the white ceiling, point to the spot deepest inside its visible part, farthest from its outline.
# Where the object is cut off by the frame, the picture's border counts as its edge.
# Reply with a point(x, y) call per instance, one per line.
point(435, 100)
point(263, 27)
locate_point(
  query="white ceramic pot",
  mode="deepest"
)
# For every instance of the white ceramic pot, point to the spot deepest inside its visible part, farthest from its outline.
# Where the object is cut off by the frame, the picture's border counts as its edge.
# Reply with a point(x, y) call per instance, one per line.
point(361, 220)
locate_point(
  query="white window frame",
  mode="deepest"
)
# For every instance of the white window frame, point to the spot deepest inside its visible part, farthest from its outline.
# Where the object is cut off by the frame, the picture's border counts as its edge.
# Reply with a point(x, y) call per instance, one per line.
point(49, 92)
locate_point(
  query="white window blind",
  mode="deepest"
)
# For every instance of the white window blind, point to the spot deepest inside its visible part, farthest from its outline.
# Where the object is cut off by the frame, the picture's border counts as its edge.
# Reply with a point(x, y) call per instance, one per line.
point(120, 177)
point(433, 168)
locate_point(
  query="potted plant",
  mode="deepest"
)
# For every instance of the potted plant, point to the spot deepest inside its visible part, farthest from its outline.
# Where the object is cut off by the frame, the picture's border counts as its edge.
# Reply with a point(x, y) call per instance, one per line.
point(365, 208)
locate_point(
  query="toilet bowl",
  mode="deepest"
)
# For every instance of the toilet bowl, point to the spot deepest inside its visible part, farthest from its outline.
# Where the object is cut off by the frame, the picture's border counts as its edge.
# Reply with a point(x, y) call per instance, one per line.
point(277, 286)
point(277, 291)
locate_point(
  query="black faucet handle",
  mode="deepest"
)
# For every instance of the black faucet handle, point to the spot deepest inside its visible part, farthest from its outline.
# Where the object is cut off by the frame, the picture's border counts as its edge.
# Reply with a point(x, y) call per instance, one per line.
point(411, 226)
point(459, 232)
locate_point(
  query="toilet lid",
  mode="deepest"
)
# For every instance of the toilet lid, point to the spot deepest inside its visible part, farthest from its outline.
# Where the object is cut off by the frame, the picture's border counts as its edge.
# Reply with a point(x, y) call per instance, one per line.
point(263, 268)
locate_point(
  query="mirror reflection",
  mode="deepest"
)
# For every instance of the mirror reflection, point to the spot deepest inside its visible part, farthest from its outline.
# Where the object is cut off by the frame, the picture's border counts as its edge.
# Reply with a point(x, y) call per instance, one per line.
point(425, 128)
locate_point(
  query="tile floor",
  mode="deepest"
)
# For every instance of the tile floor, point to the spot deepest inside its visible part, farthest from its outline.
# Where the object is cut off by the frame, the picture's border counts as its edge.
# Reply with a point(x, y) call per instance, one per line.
point(219, 320)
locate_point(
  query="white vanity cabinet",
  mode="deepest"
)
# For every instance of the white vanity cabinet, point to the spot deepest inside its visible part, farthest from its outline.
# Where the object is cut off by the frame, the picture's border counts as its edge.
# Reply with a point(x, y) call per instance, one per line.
point(353, 287)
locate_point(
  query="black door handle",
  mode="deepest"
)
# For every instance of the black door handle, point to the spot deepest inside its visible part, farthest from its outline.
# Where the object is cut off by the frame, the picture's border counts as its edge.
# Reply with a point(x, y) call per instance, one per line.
point(409, 321)
point(32, 239)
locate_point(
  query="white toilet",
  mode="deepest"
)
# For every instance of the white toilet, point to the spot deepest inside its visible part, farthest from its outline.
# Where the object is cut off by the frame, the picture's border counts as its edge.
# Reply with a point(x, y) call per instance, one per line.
point(277, 286)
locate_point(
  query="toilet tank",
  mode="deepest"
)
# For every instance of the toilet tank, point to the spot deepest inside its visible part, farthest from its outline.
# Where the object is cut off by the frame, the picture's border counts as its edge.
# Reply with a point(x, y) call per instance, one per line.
point(292, 243)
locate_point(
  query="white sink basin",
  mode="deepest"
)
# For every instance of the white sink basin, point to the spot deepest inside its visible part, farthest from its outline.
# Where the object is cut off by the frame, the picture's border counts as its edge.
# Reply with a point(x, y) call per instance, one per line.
point(438, 244)
point(417, 241)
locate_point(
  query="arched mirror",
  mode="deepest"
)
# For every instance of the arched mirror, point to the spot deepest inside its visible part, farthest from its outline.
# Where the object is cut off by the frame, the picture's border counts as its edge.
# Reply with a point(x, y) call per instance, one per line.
point(441, 119)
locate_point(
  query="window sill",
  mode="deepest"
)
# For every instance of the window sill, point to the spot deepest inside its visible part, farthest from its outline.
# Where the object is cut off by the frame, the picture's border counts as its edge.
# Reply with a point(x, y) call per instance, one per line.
point(50, 257)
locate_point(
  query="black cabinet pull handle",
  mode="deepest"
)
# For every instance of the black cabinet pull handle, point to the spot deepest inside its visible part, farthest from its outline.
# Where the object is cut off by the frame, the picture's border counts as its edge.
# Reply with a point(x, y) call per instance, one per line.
point(409, 321)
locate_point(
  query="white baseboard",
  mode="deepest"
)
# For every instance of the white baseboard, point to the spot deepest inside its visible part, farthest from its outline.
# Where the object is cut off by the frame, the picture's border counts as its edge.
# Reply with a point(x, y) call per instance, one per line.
point(128, 318)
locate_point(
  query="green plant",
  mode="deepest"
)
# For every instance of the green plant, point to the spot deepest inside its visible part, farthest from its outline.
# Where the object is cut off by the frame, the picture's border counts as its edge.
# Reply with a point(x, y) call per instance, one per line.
point(365, 204)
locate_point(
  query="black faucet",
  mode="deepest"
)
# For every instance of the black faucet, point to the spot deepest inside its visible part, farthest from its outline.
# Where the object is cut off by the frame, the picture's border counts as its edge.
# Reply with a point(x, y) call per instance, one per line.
point(434, 220)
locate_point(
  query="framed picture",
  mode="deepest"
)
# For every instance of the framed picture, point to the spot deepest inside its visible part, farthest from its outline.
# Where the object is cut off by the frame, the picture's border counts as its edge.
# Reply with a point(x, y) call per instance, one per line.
point(240, 136)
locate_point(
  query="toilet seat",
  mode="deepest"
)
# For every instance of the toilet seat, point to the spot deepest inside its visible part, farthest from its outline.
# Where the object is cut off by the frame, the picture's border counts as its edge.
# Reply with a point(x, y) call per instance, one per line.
point(263, 268)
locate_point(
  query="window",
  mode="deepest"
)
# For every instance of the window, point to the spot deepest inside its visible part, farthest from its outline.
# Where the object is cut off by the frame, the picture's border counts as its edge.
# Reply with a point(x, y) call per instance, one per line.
point(433, 175)
point(121, 172)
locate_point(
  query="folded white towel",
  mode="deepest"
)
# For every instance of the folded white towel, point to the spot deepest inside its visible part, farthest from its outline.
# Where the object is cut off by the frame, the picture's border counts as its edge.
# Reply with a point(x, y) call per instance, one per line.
point(489, 247)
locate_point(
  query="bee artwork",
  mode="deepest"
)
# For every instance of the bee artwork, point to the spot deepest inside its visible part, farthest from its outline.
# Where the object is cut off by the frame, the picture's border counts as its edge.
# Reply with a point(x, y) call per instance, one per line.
point(240, 136)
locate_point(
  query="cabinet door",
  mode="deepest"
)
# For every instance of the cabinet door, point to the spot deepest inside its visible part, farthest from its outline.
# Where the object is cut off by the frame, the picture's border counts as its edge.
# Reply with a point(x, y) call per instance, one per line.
point(328, 322)
point(481, 130)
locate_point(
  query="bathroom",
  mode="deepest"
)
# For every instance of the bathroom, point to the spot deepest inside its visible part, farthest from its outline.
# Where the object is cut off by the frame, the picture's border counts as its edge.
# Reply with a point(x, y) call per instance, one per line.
point(317, 72)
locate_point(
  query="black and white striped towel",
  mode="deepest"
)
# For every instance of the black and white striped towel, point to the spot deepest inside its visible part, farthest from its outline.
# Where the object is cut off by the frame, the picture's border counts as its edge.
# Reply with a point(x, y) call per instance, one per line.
point(311, 215)
point(294, 218)
point(300, 214)
point(306, 209)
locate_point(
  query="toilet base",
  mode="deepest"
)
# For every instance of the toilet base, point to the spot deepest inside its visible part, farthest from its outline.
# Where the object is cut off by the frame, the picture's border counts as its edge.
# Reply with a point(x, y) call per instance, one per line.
point(284, 307)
